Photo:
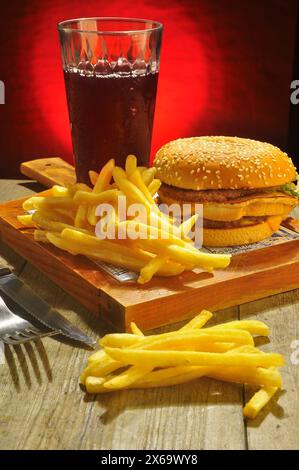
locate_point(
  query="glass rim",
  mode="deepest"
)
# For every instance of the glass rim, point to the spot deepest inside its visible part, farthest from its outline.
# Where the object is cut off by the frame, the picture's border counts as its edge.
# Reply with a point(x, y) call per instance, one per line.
point(63, 25)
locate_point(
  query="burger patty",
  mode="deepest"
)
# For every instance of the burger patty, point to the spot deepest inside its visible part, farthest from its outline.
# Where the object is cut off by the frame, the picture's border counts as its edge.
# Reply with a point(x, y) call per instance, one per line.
point(243, 222)
point(213, 195)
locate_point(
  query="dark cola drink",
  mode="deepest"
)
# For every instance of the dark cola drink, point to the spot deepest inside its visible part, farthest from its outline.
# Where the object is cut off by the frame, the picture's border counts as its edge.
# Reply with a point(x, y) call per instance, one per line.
point(111, 112)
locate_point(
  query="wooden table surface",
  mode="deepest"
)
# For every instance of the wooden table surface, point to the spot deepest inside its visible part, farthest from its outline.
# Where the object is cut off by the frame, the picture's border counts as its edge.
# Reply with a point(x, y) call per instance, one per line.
point(42, 406)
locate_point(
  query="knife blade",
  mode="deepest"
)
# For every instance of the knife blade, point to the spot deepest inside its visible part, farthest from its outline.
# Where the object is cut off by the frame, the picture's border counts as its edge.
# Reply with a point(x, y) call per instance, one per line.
point(24, 296)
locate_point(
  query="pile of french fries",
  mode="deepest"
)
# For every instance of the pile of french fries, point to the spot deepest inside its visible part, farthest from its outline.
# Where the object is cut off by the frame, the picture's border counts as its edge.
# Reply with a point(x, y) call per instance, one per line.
point(223, 352)
point(66, 217)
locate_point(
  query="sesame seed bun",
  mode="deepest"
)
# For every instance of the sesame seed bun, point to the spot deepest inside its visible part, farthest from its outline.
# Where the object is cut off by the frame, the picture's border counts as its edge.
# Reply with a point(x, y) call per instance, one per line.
point(205, 163)
point(236, 180)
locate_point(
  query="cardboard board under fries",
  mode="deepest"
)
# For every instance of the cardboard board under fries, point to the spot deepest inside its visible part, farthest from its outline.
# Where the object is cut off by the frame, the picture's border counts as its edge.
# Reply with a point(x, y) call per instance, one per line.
point(256, 271)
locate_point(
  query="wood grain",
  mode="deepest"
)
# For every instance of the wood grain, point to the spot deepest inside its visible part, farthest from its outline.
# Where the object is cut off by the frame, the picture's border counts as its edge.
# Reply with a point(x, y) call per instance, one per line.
point(270, 270)
point(42, 406)
point(49, 171)
point(279, 421)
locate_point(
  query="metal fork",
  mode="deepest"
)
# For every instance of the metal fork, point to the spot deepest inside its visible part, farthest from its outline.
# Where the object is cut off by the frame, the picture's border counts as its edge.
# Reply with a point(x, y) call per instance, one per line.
point(16, 330)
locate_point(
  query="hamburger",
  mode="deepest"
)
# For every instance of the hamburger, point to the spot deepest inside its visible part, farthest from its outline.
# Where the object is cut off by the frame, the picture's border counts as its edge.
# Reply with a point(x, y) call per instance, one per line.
point(245, 186)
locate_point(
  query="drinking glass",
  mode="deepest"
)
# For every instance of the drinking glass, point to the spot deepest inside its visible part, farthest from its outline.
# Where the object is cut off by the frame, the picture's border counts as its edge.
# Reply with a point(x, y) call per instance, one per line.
point(111, 68)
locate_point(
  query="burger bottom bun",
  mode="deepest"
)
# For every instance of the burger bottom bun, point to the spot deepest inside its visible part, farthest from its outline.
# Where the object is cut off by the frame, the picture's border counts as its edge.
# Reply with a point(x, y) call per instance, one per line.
point(241, 235)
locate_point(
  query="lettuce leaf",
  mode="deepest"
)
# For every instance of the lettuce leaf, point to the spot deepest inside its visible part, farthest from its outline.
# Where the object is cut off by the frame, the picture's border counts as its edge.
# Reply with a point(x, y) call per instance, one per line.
point(290, 188)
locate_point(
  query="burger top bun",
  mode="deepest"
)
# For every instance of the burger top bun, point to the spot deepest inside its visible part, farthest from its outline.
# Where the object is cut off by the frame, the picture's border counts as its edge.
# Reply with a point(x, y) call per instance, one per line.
point(200, 163)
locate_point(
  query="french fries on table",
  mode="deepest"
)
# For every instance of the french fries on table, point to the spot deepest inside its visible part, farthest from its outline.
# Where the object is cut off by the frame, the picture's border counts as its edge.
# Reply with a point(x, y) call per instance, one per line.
point(67, 217)
point(223, 352)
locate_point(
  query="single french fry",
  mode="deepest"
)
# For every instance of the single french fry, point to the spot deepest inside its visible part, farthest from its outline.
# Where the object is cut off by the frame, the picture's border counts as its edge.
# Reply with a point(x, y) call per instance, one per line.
point(148, 175)
point(93, 176)
point(202, 344)
point(95, 198)
point(171, 376)
point(26, 220)
point(37, 202)
point(141, 169)
point(80, 219)
point(97, 356)
point(94, 359)
point(199, 259)
point(91, 215)
point(199, 321)
point(73, 188)
point(154, 186)
point(101, 368)
point(151, 268)
point(122, 340)
point(127, 377)
point(56, 240)
point(185, 255)
point(259, 401)
point(176, 358)
point(131, 164)
point(255, 327)
point(178, 340)
point(250, 375)
point(60, 191)
point(95, 385)
point(188, 224)
point(135, 330)
point(104, 177)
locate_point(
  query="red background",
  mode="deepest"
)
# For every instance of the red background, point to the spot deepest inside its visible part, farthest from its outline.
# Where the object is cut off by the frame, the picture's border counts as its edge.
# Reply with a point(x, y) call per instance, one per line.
point(226, 68)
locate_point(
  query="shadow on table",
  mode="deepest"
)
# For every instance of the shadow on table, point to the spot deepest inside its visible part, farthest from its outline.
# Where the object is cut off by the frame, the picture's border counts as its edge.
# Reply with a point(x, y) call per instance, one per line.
point(198, 392)
point(33, 185)
point(22, 359)
point(272, 407)
point(204, 391)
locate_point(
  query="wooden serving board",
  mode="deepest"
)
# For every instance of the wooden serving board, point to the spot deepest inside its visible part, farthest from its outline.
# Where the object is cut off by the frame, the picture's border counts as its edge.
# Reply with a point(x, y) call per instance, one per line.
point(250, 276)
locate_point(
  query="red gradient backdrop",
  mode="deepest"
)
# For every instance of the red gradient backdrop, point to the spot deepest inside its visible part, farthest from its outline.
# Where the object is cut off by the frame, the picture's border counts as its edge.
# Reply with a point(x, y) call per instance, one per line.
point(226, 69)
